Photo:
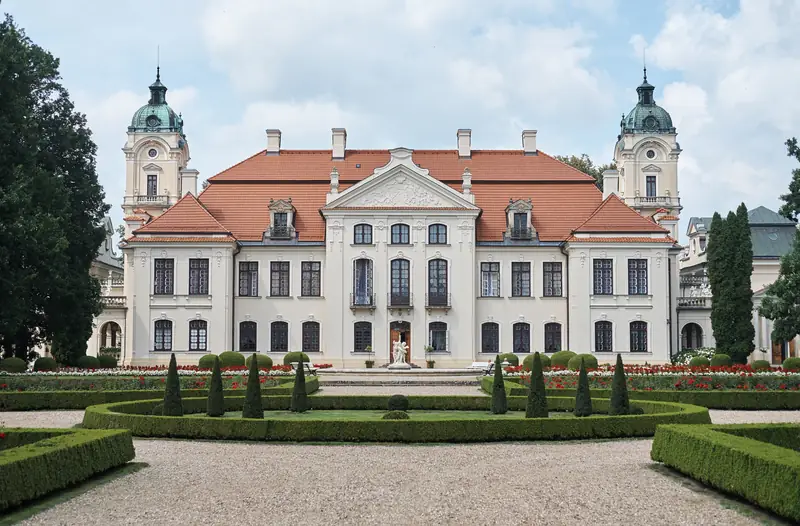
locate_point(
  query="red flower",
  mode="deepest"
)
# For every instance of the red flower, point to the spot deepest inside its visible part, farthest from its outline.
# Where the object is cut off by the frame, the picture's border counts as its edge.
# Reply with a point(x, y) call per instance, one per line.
point(2, 435)
point(3, 386)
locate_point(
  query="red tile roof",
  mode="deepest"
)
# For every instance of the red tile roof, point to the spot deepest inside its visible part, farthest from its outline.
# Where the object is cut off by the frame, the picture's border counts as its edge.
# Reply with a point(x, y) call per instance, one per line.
point(180, 239)
point(621, 239)
point(615, 216)
point(187, 215)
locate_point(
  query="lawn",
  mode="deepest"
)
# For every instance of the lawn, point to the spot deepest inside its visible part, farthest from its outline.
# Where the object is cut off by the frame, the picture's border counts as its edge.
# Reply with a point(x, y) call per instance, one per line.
point(366, 414)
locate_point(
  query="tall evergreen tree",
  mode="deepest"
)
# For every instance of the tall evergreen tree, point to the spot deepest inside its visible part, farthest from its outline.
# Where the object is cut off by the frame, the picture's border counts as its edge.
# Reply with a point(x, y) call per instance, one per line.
point(781, 304)
point(216, 396)
point(537, 396)
point(583, 397)
point(173, 405)
point(791, 207)
point(299, 396)
point(719, 263)
point(742, 291)
point(499, 402)
point(620, 403)
point(252, 398)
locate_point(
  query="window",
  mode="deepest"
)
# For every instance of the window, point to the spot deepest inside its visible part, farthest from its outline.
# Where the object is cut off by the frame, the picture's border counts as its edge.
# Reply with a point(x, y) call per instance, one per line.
point(310, 336)
point(163, 336)
point(603, 338)
point(362, 282)
point(279, 278)
point(437, 282)
point(401, 290)
point(152, 185)
point(247, 336)
point(280, 219)
point(638, 336)
point(310, 278)
point(164, 276)
point(650, 186)
point(279, 336)
point(552, 337)
point(703, 244)
point(637, 276)
point(437, 235)
point(363, 235)
point(438, 335)
point(490, 280)
point(362, 336)
point(520, 221)
point(198, 276)
point(603, 277)
point(552, 279)
point(198, 335)
point(520, 279)
point(522, 338)
point(400, 234)
point(490, 337)
point(248, 278)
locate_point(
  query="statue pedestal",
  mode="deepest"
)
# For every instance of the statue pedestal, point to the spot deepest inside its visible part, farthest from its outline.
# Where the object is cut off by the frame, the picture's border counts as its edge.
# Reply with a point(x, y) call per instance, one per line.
point(403, 365)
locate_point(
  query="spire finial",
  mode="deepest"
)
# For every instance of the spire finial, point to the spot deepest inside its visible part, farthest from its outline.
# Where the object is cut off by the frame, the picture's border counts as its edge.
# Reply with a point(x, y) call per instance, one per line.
point(158, 63)
point(644, 63)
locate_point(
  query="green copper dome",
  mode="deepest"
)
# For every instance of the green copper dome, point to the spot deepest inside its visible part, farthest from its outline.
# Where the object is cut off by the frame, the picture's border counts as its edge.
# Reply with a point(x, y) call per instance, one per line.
point(156, 115)
point(647, 116)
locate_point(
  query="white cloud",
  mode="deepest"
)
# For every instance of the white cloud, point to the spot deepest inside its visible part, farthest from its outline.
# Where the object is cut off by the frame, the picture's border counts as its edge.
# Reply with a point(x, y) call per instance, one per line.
point(688, 107)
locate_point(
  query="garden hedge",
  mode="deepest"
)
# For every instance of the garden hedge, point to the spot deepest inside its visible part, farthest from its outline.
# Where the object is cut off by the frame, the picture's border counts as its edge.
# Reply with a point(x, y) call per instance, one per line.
point(745, 460)
point(135, 417)
point(45, 460)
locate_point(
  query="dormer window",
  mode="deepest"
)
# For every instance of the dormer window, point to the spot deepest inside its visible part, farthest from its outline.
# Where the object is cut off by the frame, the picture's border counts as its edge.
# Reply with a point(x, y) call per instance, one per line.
point(703, 244)
point(281, 216)
point(519, 219)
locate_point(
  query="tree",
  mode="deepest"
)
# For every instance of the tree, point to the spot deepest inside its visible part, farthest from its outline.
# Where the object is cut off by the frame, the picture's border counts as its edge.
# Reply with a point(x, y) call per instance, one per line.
point(791, 207)
point(537, 397)
point(781, 303)
point(620, 403)
point(587, 166)
point(583, 397)
point(216, 397)
point(51, 206)
point(299, 395)
point(173, 405)
point(499, 402)
point(742, 291)
point(252, 398)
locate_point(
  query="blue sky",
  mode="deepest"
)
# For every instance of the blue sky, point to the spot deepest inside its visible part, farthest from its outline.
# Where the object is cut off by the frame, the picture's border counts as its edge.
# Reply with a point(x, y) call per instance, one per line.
point(409, 73)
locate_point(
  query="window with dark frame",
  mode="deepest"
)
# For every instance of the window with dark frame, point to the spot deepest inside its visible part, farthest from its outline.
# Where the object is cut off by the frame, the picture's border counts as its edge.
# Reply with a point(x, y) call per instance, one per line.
point(490, 280)
point(198, 335)
point(400, 234)
point(152, 185)
point(603, 336)
point(279, 278)
point(362, 282)
point(521, 221)
point(638, 336)
point(198, 276)
point(248, 332)
point(310, 278)
point(637, 276)
point(279, 336)
point(362, 336)
point(162, 340)
point(310, 336)
point(552, 337)
point(437, 234)
point(552, 279)
point(603, 277)
point(248, 278)
point(520, 279)
point(362, 234)
point(401, 285)
point(437, 335)
point(437, 282)
point(650, 186)
point(490, 337)
point(164, 276)
point(522, 337)
point(281, 219)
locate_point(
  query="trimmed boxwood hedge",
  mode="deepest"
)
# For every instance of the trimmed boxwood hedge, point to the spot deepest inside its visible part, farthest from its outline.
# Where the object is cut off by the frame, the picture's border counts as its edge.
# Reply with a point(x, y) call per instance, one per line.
point(46, 460)
point(746, 460)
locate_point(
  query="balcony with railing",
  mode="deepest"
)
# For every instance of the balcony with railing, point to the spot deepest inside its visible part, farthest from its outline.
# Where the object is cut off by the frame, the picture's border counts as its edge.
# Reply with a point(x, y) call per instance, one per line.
point(436, 300)
point(657, 200)
point(691, 302)
point(400, 300)
point(281, 232)
point(145, 200)
point(113, 302)
point(521, 233)
point(360, 300)
point(694, 280)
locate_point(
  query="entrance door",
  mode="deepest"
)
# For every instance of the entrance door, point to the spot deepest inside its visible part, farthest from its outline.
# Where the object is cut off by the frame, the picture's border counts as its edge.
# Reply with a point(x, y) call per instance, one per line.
point(778, 352)
point(399, 331)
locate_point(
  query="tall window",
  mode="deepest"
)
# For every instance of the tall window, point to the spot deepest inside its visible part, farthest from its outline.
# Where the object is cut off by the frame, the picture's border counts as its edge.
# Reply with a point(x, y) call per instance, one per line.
point(198, 335)
point(438, 335)
point(490, 280)
point(437, 235)
point(152, 185)
point(198, 276)
point(310, 278)
point(362, 336)
point(362, 235)
point(362, 282)
point(637, 276)
point(603, 277)
point(279, 336)
point(310, 336)
point(603, 337)
point(279, 278)
point(552, 337)
point(164, 276)
point(638, 336)
point(401, 290)
point(281, 219)
point(650, 186)
point(522, 337)
point(520, 222)
point(437, 282)
point(490, 337)
point(248, 332)
point(400, 234)
point(520, 279)
point(552, 278)
point(248, 278)
point(162, 340)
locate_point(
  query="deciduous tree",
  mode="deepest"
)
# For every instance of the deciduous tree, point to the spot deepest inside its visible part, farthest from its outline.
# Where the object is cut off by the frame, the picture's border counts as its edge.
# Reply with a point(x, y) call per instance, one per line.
point(791, 200)
point(587, 166)
point(781, 303)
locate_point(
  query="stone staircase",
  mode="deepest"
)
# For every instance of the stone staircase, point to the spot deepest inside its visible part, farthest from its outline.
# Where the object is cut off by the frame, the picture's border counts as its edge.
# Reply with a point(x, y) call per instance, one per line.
point(385, 377)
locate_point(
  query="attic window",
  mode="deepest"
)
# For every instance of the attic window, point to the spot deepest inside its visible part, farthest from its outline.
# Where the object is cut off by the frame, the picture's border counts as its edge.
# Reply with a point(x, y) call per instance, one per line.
point(519, 219)
point(358, 165)
point(281, 219)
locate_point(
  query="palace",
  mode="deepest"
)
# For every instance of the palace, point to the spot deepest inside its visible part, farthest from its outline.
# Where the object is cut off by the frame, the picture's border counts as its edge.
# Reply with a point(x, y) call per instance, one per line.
point(461, 253)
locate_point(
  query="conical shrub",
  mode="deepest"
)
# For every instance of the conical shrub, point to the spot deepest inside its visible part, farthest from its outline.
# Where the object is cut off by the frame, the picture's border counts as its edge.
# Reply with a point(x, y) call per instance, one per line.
point(583, 398)
point(499, 402)
point(620, 403)
point(299, 396)
point(216, 398)
point(537, 398)
point(172, 394)
point(252, 398)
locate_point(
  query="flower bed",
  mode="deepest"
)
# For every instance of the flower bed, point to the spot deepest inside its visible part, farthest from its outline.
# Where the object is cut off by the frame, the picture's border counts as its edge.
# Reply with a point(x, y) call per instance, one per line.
point(752, 461)
point(161, 370)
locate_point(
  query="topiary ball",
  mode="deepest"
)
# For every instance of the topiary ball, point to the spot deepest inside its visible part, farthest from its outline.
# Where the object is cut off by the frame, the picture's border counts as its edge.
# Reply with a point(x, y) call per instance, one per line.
point(398, 402)
point(88, 362)
point(589, 361)
point(231, 359)
point(721, 360)
point(699, 361)
point(527, 363)
point(207, 361)
point(294, 356)
point(13, 365)
point(761, 365)
point(791, 364)
point(395, 415)
point(107, 361)
point(158, 410)
point(561, 358)
point(45, 364)
point(511, 358)
point(263, 361)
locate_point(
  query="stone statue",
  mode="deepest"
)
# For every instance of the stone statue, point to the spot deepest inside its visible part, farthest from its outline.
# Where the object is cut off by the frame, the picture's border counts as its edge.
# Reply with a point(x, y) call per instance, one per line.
point(400, 351)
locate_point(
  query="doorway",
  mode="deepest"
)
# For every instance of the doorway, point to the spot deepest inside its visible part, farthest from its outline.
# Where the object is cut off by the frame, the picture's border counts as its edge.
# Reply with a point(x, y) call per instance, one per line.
point(399, 331)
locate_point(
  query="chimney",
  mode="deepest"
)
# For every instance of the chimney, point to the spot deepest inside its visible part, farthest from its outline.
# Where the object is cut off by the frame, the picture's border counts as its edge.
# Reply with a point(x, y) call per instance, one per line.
point(273, 142)
point(610, 183)
point(189, 181)
point(464, 143)
point(529, 142)
point(339, 141)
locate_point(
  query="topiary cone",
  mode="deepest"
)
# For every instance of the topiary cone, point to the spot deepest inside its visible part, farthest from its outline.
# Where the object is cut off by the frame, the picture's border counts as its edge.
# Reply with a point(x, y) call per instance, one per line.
point(499, 402)
point(252, 398)
point(583, 399)
point(620, 404)
point(537, 398)
point(216, 398)
point(299, 396)
point(172, 394)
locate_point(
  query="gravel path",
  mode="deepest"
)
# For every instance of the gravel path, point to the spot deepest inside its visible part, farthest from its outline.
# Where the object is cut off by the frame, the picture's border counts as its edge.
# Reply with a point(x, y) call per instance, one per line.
point(40, 418)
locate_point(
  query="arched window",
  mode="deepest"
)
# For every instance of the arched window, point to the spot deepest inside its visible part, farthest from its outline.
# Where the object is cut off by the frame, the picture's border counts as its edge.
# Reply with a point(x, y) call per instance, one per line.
point(279, 336)
point(110, 335)
point(198, 335)
point(401, 282)
point(163, 336)
point(638, 336)
point(437, 234)
point(691, 336)
point(437, 282)
point(522, 337)
point(490, 337)
point(247, 336)
point(362, 336)
point(362, 282)
point(437, 337)
point(310, 336)
point(603, 337)
point(400, 234)
point(552, 337)
point(362, 234)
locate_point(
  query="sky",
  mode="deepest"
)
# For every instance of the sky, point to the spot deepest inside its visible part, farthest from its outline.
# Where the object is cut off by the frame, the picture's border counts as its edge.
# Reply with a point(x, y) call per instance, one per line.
point(410, 73)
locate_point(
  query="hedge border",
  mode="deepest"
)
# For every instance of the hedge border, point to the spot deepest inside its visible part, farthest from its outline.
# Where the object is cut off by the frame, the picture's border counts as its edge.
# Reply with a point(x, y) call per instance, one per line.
point(52, 459)
point(135, 417)
point(757, 470)
point(40, 400)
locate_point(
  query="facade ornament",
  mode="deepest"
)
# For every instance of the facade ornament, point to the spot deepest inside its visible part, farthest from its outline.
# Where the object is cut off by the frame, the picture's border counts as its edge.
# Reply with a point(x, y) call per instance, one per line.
point(522, 257)
point(399, 253)
point(638, 254)
point(466, 182)
point(583, 259)
point(163, 315)
point(198, 254)
point(380, 225)
point(219, 259)
point(197, 315)
point(334, 181)
point(638, 317)
point(400, 191)
point(603, 254)
point(552, 317)
point(420, 225)
point(521, 317)
point(279, 316)
point(490, 257)
point(247, 317)
point(280, 257)
point(490, 318)
point(163, 253)
point(144, 259)
point(437, 254)
point(363, 253)
point(603, 316)
point(658, 259)
point(310, 316)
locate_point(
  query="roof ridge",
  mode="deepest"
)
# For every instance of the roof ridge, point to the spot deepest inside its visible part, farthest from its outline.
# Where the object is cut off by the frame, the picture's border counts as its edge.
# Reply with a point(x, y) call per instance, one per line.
point(566, 164)
point(617, 199)
point(264, 151)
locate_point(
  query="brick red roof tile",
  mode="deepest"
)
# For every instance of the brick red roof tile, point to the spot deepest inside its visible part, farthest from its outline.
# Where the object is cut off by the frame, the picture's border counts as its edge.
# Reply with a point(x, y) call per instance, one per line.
point(180, 239)
point(188, 215)
point(621, 239)
point(615, 216)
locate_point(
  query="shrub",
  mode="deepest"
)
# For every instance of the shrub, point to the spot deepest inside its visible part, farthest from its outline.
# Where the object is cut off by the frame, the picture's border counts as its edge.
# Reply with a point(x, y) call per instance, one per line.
point(45, 364)
point(527, 363)
point(173, 405)
point(231, 359)
point(511, 358)
point(299, 397)
point(88, 362)
point(721, 360)
point(561, 358)
point(589, 361)
point(537, 398)
point(264, 361)
point(791, 364)
point(207, 361)
point(761, 365)
point(699, 361)
point(620, 403)
point(295, 356)
point(499, 402)
point(398, 402)
point(583, 399)
point(252, 400)
point(107, 361)
point(216, 398)
point(395, 415)
point(158, 410)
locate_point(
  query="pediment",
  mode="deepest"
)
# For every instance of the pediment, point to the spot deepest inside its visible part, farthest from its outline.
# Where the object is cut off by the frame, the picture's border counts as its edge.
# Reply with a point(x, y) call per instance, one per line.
point(151, 167)
point(281, 205)
point(519, 205)
point(651, 168)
